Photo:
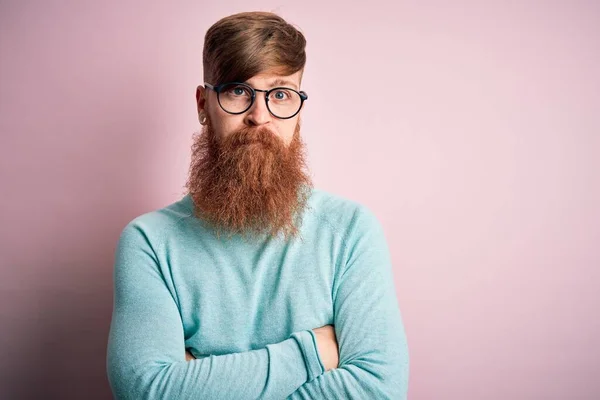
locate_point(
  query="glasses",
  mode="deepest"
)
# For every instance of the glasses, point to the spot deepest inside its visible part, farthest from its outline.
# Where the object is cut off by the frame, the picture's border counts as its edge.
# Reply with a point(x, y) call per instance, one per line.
point(237, 98)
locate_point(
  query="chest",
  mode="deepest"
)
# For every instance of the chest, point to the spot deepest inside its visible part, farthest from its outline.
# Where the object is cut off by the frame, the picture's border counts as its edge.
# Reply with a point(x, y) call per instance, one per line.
point(243, 298)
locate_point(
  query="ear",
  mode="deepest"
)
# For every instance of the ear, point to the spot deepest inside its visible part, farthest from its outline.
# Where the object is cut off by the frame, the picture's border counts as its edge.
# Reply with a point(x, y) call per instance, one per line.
point(200, 98)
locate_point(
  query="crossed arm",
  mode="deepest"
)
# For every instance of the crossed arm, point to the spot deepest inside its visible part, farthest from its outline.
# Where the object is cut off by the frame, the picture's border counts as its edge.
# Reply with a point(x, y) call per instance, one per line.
point(327, 347)
point(146, 356)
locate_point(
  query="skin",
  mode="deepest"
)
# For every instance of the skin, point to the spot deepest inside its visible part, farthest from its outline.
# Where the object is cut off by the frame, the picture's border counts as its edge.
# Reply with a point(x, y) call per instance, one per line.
point(259, 116)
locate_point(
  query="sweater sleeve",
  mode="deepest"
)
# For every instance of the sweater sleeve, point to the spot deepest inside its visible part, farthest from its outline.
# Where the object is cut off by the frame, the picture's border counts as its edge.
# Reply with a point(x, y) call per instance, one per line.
point(146, 347)
point(373, 350)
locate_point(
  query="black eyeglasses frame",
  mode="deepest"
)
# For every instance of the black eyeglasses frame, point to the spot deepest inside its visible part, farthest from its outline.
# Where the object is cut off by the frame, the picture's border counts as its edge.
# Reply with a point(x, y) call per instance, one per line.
point(218, 88)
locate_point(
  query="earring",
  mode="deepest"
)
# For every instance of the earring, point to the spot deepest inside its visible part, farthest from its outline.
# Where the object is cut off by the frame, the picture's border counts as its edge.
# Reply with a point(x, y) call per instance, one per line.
point(202, 118)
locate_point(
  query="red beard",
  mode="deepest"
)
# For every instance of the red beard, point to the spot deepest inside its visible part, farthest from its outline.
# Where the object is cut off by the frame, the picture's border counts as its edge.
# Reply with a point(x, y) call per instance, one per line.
point(249, 182)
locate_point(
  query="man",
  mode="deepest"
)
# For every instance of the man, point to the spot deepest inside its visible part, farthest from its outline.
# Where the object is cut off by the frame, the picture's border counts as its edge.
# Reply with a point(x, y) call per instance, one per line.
point(255, 284)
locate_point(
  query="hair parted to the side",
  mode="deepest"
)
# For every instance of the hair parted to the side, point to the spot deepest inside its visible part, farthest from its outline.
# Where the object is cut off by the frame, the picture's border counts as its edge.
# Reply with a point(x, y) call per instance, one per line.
point(242, 45)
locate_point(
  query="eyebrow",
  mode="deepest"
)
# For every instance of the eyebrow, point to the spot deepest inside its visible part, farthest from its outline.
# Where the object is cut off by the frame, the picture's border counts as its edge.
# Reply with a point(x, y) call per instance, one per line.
point(283, 82)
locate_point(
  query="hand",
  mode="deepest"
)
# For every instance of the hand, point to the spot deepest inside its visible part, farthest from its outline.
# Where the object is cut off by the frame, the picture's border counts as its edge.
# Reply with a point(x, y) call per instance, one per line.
point(327, 346)
point(189, 356)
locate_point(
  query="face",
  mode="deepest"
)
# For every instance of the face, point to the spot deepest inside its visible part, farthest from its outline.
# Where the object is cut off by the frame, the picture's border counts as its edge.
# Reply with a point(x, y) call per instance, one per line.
point(248, 173)
point(258, 116)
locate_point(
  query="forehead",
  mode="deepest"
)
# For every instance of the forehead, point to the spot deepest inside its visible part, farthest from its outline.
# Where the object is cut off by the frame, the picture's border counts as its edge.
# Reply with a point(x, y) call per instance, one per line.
point(270, 80)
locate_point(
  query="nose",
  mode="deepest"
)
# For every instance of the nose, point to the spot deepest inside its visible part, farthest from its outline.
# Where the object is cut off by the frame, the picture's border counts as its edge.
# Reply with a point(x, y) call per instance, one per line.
point(258, 114)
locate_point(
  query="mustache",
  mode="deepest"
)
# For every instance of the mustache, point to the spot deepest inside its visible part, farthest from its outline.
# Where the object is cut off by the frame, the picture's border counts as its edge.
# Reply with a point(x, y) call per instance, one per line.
point(247, 136)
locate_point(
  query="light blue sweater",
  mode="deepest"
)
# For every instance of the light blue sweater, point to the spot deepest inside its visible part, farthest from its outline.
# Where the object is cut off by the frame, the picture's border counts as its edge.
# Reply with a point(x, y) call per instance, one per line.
point(246, 310)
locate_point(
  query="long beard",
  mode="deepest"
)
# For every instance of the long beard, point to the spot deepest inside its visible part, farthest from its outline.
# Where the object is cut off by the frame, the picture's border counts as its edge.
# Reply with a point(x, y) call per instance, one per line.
point(249, 182)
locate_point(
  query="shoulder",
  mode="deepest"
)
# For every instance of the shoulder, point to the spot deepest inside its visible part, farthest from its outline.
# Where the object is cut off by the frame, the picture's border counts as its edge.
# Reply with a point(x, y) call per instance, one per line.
point(345, 216)
point(153, 225)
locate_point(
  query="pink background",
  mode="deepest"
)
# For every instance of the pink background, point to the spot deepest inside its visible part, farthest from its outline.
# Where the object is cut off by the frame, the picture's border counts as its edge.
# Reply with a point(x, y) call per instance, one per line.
point(472, 129)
